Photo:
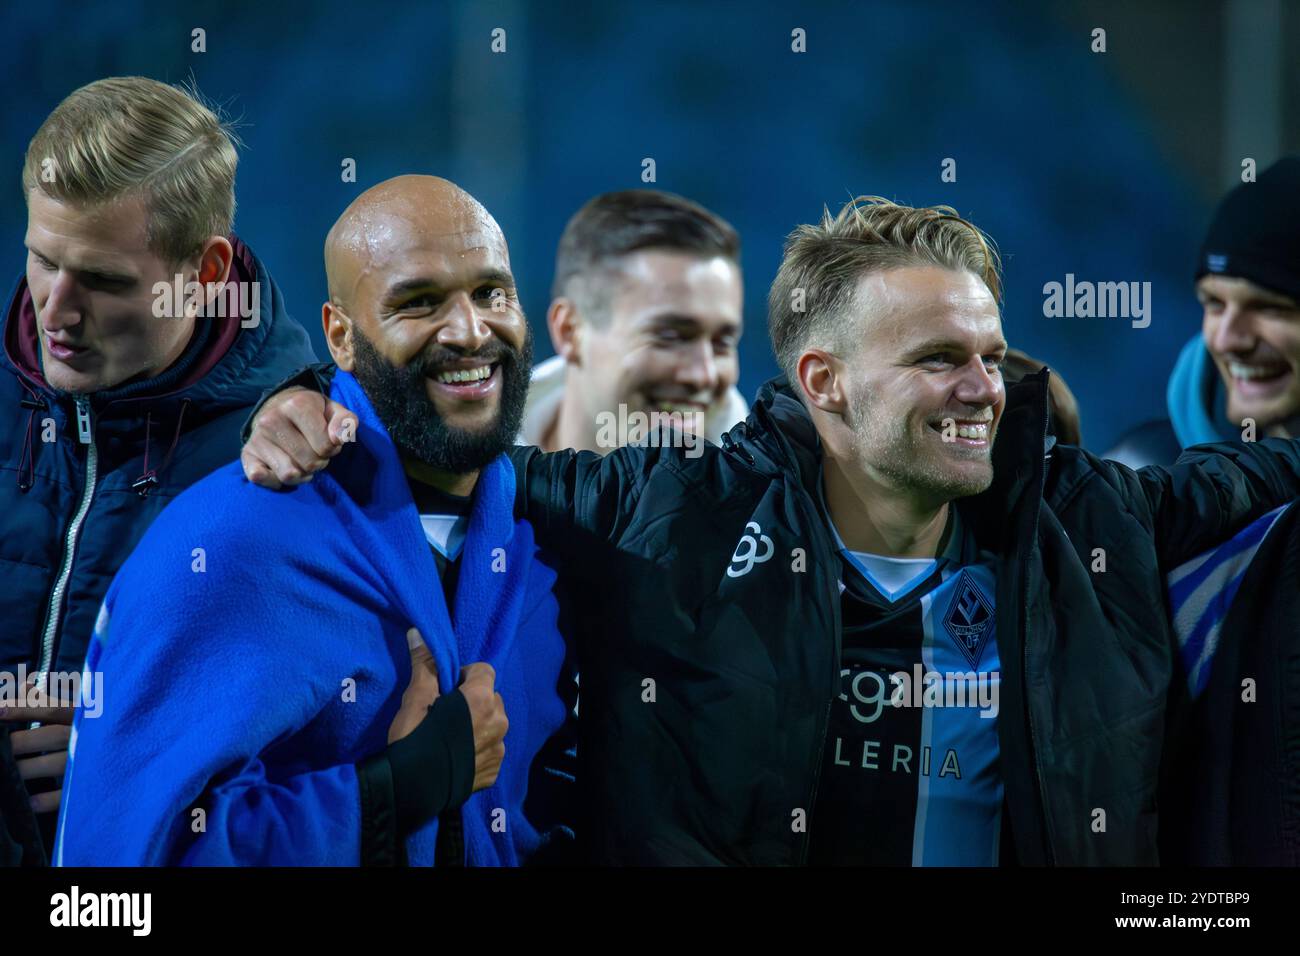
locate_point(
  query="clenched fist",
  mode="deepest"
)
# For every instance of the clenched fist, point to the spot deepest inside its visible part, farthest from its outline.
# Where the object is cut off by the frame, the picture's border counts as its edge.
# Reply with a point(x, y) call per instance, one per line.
point(487, 709)
point(294, 436)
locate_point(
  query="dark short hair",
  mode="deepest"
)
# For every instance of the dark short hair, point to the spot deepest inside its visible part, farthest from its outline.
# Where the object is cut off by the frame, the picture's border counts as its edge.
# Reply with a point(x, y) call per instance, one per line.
point(617, 224)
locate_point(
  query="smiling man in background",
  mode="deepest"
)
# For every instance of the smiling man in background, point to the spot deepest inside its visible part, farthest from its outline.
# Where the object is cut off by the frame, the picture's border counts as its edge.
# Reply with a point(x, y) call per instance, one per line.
point(1239, 379)
point(645, 315)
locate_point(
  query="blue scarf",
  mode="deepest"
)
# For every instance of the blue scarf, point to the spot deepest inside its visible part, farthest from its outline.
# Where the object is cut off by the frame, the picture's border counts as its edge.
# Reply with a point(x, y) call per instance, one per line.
point(1196, 400)
point(253, 650)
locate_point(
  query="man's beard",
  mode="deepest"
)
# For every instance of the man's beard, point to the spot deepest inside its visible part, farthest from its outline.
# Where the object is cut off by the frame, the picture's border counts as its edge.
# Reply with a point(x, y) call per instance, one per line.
point(890, 449)
point(401, 400)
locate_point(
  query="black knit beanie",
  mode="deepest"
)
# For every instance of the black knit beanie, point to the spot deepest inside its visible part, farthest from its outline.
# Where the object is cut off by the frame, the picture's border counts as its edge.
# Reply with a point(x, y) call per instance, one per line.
point(1255, 234)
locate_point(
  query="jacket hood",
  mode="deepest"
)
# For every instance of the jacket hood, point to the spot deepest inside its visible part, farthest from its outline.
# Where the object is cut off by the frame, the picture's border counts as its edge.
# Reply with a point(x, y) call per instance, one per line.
point(546, 392)
point(1196, 399)
point(233, 365)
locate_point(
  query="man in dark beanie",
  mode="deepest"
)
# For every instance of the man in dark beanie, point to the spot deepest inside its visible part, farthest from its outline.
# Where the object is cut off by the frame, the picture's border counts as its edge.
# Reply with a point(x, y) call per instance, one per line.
point(1238, 380)
point(1230, 788)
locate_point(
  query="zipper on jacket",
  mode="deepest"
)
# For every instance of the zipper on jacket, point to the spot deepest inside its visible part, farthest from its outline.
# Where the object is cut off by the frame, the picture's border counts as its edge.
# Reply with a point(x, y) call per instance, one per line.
point(83, 422)
point(1024, 667)
point(836, 679)
point(86, 436)
point(821, 750)
point(1029, 713)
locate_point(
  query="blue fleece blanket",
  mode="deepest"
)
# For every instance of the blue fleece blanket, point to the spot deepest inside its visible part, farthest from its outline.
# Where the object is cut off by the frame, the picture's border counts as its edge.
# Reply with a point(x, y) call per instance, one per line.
point(253, 649)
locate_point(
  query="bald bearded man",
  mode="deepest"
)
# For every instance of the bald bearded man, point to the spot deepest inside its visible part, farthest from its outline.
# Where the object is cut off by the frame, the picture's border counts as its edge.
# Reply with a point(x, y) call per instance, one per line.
point(268, 695)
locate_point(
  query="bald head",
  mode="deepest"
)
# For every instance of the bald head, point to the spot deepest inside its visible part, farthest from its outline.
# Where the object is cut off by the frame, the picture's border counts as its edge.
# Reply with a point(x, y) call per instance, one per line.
point(388, 222)
point(424, 313)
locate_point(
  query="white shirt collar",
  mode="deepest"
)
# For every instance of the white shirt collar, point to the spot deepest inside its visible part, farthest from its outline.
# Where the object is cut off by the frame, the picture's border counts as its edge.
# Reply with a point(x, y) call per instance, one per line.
point(446, 533)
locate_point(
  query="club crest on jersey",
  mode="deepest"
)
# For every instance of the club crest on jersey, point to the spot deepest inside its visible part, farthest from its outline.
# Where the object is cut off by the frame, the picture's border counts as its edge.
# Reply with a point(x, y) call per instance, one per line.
point(969, 619)
point(753, 549)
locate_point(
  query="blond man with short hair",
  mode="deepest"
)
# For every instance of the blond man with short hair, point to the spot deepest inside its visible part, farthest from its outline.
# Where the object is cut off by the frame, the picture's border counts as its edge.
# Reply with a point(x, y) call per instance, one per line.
point(134, 346)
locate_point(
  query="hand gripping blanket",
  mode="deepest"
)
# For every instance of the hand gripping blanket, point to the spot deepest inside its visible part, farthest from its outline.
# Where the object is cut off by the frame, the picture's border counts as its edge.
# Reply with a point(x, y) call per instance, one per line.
point(253, 649)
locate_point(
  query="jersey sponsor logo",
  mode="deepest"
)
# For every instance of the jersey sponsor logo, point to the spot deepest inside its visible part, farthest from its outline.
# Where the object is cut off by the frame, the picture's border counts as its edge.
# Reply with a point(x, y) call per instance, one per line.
point(920, 688)
point(753, 549)
point(969, 619)
point(903, 755)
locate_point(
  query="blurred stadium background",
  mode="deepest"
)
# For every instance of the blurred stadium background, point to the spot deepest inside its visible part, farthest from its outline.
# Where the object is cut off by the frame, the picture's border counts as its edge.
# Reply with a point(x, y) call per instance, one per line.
point(1105, 165)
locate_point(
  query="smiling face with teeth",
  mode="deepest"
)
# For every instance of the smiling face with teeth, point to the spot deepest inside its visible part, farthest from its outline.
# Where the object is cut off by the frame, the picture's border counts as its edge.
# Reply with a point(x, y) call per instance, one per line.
point(1253, 335)
point(661, 336)
point(917, 383)
point(423, 310)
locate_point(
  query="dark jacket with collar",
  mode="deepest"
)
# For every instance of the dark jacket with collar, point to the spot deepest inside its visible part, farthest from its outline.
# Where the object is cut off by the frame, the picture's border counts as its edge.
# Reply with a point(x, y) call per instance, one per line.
point(702, 593)
point(71, 510)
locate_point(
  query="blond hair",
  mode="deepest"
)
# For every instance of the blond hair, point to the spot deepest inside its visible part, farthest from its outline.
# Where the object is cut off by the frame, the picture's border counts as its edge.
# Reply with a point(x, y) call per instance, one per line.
point(823, 265)
point(131, 136)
